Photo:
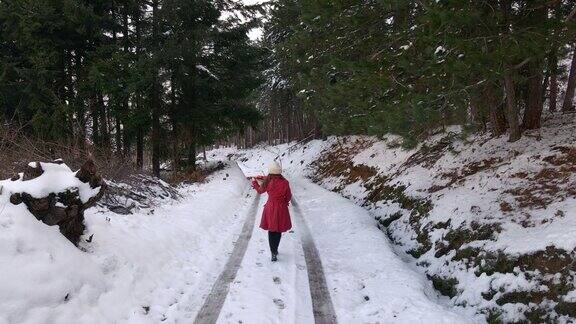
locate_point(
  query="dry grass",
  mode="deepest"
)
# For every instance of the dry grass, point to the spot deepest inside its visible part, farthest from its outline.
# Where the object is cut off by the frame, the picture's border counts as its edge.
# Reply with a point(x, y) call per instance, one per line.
point(553, 183)
point(18, 149)
point(458, 176)
point(337, 162)
point(200, 174)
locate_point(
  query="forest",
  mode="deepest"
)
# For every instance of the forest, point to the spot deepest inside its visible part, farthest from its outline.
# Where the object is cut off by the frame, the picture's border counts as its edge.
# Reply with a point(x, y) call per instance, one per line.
point(410, 67)
point(151, 83)
point(147, 82)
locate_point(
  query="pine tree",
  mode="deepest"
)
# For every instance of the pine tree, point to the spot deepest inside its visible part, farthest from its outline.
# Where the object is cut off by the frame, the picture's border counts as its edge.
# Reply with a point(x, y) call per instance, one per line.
point(409, 67)
point(128, 72)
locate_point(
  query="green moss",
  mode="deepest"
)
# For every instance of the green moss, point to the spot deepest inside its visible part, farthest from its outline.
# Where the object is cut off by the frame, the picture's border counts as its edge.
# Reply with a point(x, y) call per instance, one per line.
point(489, 295)
point(446, 286)
point(551, 260)
point(443, 225)
point(539, 315)
point(417, 252)
point(466, 253)
point(566, 308)
point(520, 297)
point(494, 316)
point(457, 237)
point(495, 262)
point(424, 264)
point(386, 221)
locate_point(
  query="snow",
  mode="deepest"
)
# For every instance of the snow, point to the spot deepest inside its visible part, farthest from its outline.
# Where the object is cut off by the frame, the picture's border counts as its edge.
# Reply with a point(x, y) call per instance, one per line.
point(359, 261)
point(159, 258)
point(406, 47)
point(56, 178)
point(39, 268)
point(360, 264)
point(205, 69)
point(440, 50)
point(159, 264)
point(384, 154)
point(265, 292)
point(475, 199)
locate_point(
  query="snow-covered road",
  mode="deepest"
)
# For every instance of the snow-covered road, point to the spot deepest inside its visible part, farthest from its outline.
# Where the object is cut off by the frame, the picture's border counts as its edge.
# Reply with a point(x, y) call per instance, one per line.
point(266, 292)
point(365, 281)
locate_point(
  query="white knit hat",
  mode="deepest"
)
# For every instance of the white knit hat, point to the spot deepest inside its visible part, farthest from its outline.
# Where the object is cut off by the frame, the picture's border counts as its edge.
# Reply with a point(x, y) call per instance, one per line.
point(274, 168)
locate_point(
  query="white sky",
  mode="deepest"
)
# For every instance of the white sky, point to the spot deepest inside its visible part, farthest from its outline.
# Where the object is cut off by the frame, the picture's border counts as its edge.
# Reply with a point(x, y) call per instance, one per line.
point(255, 33)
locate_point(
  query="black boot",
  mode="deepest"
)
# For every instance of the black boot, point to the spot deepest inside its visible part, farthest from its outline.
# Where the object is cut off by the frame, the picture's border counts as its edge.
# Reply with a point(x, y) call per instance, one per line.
point(274, 241)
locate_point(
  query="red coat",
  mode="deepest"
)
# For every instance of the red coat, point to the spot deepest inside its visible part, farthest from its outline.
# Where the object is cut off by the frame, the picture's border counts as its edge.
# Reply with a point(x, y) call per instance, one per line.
point(275, 217)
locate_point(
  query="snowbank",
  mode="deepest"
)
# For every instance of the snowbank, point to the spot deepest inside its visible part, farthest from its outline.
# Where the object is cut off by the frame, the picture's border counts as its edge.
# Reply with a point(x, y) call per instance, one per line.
point(41, 270)
point(135, 268)
point(369, 283)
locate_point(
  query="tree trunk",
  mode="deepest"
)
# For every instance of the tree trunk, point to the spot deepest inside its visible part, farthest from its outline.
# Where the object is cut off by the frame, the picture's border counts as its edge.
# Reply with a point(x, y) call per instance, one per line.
point(534, 95)
point(175, 142)
point(496, 110)
point(79, 102)
point(534, 104)
point(544, 87)
point(95, 124)
point(140, 148)
point(113, 114)
point(192, 154)
point(126, 142)
point(511, 108)
point(553, 97)
point(498, 118)
point(122, 145)
point(480, 106)
point(556, 14)
point(155, 100)
point(137, 103)
point(71, 95)
point(569, 98)
point(118, 134)
point(104, 132)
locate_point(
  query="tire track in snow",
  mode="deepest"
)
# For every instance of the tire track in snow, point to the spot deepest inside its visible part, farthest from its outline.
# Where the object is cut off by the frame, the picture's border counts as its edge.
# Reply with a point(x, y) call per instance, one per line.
point(321, 302)
point(213, 303)
point(270, 292)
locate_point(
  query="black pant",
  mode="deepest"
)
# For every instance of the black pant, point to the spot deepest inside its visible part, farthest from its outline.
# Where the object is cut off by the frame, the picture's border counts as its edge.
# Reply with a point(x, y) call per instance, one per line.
point(274, 241)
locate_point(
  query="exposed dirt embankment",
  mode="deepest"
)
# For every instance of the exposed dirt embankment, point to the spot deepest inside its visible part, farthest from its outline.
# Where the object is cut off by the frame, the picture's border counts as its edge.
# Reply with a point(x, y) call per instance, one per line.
point(491, 223)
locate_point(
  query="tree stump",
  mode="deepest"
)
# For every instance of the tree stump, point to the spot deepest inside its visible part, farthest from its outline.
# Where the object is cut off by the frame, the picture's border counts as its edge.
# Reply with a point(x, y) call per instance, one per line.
point(66, 208)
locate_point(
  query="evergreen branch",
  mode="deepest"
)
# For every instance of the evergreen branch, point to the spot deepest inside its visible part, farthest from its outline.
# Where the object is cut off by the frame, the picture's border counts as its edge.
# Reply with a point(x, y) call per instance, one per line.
point(571, 15)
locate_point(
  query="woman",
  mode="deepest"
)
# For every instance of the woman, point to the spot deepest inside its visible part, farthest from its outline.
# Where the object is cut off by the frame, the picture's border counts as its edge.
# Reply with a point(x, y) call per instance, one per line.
point(275, 217)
